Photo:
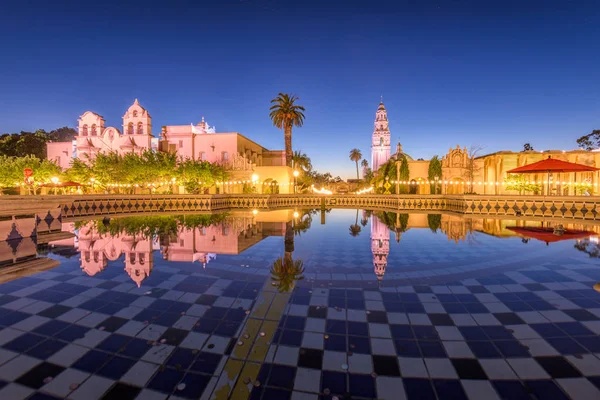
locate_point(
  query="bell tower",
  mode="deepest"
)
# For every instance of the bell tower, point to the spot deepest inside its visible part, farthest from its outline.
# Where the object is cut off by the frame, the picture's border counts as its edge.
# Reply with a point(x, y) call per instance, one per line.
point(380, 145)
point(380, 246)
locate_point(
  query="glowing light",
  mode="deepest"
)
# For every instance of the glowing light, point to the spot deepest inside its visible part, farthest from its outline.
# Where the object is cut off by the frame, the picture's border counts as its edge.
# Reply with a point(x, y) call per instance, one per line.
point(254, 211)
point(54, 180)
point(296, 214)
point(296, 173)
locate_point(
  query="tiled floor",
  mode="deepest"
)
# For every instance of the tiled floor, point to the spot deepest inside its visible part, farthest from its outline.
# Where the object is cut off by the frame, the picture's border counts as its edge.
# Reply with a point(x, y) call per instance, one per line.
point(523, 326)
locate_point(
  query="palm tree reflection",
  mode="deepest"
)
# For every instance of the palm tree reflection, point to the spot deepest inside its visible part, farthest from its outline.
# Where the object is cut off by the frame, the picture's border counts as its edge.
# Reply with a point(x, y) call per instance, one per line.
point(355, 229)
point(285, 272)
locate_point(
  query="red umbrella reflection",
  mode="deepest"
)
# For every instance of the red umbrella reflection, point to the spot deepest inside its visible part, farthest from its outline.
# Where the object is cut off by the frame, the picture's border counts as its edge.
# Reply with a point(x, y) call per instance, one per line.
point(550, 235)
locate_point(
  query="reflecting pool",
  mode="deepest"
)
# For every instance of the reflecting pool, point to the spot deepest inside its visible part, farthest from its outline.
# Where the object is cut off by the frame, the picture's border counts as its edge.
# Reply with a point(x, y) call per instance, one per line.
point(302, 304)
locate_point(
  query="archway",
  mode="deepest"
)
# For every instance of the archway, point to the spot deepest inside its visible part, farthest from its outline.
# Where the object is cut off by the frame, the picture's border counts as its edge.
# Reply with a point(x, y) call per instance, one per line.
point(422, 186)
point(270, 186)
point(412, 187)
point(456, 186)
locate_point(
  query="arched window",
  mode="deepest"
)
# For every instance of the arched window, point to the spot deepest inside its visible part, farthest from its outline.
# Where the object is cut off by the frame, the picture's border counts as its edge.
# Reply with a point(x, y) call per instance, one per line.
point(84, 130)
point(140, 129)
point(225, 156)
point(132, 258)
point(381, 141)
point(135, 114)
point(130, 128)
point(94, 130)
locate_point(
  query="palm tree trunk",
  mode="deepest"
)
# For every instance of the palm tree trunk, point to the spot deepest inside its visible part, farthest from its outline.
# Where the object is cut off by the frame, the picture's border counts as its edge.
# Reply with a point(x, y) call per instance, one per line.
point(357, 177)
point(287, 134)
point(356, 221)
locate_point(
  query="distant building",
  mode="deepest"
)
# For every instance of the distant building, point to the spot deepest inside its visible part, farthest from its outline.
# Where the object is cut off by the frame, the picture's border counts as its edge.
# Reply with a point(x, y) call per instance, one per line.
point(241, 156)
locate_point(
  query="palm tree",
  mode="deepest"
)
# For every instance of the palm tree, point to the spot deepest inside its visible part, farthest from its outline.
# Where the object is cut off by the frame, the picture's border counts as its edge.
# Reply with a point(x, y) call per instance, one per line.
point(285, 272)
point(365, 164)
point(355, 229)
point(302, 161)
point(285, 114)
point(356, 155)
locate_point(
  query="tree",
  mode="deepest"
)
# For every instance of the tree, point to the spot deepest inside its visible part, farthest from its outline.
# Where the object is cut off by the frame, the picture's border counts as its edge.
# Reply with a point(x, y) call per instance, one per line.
point(472, 168)
point(368, 176)
point(302, 161)
point(364, 164)
point(355, 229)
point(356, 155)
point(64, 134)
point(285, 272)
point(79, 172)
point(285, 114)
point(435, 171)
point(434, 221)
point(527, 147)
point(520, 183)
point(195, 176)
point(386, 170)
point(590, 141)
point(404, 174)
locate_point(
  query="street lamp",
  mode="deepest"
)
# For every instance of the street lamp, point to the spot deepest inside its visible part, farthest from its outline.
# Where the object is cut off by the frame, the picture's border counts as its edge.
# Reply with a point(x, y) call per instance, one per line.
point(296, 173)
point(55, 182)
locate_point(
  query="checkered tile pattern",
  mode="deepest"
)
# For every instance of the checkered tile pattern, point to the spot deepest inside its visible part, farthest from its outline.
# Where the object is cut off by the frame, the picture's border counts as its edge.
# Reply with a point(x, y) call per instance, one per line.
point(457, 321)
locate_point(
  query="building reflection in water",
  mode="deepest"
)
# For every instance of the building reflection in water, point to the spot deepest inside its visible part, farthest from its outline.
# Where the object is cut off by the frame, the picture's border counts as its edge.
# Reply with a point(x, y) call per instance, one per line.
point(202, 238)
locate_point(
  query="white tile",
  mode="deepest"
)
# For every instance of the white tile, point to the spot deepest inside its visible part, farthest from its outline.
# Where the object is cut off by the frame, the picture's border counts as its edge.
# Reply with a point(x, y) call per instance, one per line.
point(458, 349)
point(449, 333)
point(374, 305)
point(140, 373)
point(497, 307)
point(91, 338)
point(523, 332)
point(333, 360)
point(390, 388)
point(588, 364)
point(185, 322)
point(593, 326)
point(556, 316)
point(485, 319)
point(68, 355)
point(440, 368)
point(8, 334)
point(304, 396)
point(497, 368)
point(92, 389)
point(579, 388)
point(539, 347)
point(158, 354)
point(37, 307)
point(383, 347)
point(131, 328)
point(17, 367)
point(307, 380)
point(92, 320)
point(397, 318)
point(6, 355)
point(129, 312)
point(527, 368)
point(194, 340)
point(14, 391)
point(19, 303)
point(299, 310)
point(73, 315)
point(412, 367)
point(357, 315)
point(337, 314)
point(532, 317)
point(360, 363)
point(287, 355)
point(312, 340)
point(220, 344)
point(463, 319)
point(419, 319)
point(151, 332)
point(30, 323)
point(479, 389)
point(379, 330)
point(61, 384)
point(315, 325)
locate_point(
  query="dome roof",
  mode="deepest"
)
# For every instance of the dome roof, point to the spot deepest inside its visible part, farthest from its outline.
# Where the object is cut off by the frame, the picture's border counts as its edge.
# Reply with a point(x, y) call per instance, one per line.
point(381, 106)
point(408, 157)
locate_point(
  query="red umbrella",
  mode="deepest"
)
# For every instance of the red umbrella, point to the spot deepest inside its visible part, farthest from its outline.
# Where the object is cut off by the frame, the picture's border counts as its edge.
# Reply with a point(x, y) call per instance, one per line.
point(547, 234)
point(551, 165)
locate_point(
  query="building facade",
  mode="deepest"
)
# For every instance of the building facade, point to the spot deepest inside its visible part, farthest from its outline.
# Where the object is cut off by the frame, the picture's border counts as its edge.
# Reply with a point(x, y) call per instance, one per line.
point(243, 158)
point(465, 170)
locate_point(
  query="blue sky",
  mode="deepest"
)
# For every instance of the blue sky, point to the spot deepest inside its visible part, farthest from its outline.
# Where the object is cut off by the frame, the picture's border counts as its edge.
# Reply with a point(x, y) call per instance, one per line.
point(498, 74)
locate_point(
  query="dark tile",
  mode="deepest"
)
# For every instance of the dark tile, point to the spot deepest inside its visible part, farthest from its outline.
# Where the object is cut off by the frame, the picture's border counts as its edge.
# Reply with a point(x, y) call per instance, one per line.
point(574, 329)
point(362, 386)
point(270, 393)
point(416, 308)
point(54, 311)
point(116, 367)
point(334, 302)
point(114, 343)
point(497, 332)
point(294, 322)
point(121, 391)
point(216, 312)
point(418, 389)
point(449, 389)
point(111, 308)
point(581, 315)
point(42, 396)
point(166, 380)
point(468, 368)
point(359, 344)
point(386, 365)
point(317, 312)
point(13, 317)
point(509, 318)
point(194, 386)
point(51, 328)
point(548, 330)
point(440, 319)
point(472, 333)
point(173, 336)
point(24, 342)
point(335, 343)
point(592, 343)
point(477, 289)
point(206, 325)
point(72, 333)
point(566, 345)
point(484, 349)
point(167, 319)
point(333, 326)
point(545, 390)
point(377, 317)
point(407, 348)
point(227, 328)
point(335, 382)
point(358, 328)
point(206, 363)
point(46, 349)
point(310, 358)
point(92, 305)
point(135, 348)
point(282, 376)
point(181, 358)
point(34, 378)
point(291, 337)
point(91, 361)
point(425, 332)
point(558, 367)
point(402, 332)
point(355, 304)
point(111, 324)
point(511, 348)
point(432, 348)
point(512, 390)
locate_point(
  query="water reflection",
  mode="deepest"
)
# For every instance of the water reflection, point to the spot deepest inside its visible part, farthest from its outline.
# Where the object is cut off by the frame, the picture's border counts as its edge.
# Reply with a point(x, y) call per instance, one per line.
point(285, 271)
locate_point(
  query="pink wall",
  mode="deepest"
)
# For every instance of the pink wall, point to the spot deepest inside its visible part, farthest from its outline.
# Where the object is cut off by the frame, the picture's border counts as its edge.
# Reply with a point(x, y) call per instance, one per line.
point(60, 152)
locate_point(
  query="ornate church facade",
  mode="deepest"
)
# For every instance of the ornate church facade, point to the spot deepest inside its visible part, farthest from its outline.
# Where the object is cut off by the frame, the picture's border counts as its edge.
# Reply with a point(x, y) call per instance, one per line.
point(464, 170)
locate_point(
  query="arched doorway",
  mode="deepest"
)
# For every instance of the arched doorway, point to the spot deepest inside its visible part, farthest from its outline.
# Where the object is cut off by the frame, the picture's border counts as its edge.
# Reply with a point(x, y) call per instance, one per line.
point(456, 186)
point(422, 186)
point(270, 186)
point(412, 187)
